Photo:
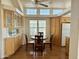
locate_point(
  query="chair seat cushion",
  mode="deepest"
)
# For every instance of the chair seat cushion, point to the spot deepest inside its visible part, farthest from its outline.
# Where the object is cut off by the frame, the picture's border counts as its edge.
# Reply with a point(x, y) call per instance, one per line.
point(31, 41)
point(45, 41)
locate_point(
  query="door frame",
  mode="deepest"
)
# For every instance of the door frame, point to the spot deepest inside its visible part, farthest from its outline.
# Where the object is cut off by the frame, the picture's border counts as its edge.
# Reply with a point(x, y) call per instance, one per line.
point(61, 32)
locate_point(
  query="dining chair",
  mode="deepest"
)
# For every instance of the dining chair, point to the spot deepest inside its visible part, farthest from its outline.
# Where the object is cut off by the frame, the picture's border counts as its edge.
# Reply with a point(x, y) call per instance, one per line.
point(39, 45)
point(28, 42)
point(50, 42)
point(40, 33)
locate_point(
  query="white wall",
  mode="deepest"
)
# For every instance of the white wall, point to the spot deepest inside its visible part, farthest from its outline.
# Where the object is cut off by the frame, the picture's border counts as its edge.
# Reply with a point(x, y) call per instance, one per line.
point(78, 50)
point(1, 38)
point(0, 34)
point(74, 36)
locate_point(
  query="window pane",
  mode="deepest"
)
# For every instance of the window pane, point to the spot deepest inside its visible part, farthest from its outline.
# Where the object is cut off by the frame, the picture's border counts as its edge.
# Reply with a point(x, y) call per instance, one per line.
point(33, 23)
point(44, 11)
point(42, 23)
point(31, 11)
point(34, 28)
point(33, 31)
point(57, 11)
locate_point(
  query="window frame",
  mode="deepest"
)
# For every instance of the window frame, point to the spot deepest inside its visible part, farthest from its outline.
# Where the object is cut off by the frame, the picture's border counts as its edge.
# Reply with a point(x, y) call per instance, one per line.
point(49, 15)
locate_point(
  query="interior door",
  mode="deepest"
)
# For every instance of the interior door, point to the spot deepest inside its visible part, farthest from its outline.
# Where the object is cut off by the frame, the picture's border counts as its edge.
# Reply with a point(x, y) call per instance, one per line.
point(65, 32)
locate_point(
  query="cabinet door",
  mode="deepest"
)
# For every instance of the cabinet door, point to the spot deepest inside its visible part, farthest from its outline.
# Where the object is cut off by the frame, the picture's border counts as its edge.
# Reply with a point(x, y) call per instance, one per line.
point(9, 46)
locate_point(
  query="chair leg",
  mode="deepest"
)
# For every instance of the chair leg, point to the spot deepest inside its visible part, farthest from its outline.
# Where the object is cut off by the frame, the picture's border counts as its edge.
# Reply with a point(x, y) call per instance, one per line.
point(41, 50)
point(50, 46)
point(33, 47)
point(35, 51)
point(26, 46)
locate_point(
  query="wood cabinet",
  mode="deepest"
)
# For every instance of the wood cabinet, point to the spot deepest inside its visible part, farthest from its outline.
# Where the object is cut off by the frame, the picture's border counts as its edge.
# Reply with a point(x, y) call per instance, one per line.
point(12, 44)
point(9, 46)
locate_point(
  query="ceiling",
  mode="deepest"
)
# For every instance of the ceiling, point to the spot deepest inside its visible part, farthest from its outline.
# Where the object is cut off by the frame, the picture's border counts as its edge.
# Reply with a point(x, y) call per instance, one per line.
point(50, 3)
point(67, 15)
point(55, 4)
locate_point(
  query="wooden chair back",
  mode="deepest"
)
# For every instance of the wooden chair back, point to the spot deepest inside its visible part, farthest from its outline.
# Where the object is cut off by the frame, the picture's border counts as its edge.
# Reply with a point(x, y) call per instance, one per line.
point(38, 40)
point(26, 39)
point(51, 38)
point(40, 33)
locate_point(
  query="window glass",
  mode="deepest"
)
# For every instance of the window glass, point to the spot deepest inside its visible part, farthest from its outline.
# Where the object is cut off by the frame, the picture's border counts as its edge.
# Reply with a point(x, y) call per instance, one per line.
point(31, 11)
point(57, 11)
point(33, 31)
point(33, 23)
point(44, 11)
point(37, 26)
point(33, 27)
point(42, 23)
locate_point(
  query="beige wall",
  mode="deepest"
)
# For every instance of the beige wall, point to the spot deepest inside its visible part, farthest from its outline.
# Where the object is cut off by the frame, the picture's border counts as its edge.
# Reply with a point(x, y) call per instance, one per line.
point(7, 2)
point(55, 29)
point(65, 19)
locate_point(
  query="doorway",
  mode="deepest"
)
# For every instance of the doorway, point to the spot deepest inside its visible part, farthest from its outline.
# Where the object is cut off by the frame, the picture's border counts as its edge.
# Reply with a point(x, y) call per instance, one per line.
point(65, 32)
